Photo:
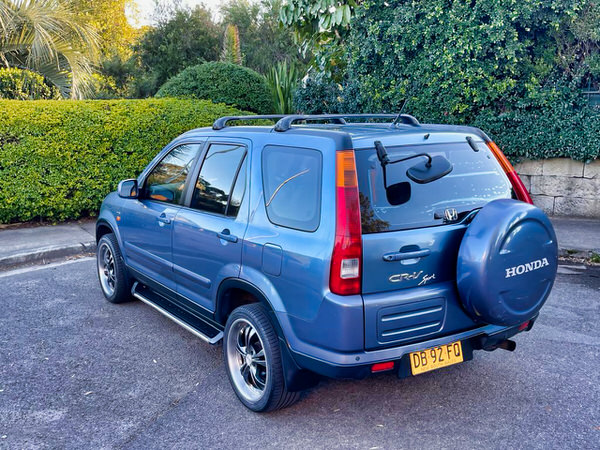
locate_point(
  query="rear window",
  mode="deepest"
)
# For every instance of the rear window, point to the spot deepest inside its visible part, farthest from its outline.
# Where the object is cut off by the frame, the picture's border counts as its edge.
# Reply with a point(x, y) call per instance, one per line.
point(292, 186)
point(475, 180)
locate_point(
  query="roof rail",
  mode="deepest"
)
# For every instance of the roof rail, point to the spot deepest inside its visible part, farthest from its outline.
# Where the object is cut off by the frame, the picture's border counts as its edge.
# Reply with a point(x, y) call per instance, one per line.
point(222, 122)
point(286, 122)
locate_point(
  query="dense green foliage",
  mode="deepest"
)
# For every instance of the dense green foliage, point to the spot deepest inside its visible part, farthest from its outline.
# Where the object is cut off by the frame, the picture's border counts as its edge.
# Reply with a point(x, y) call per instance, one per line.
point(17, 84)
point(263, 40)
point(320, 27)
point(514, 68)
point(58, 159)
point(222, 83)
point(187, 38)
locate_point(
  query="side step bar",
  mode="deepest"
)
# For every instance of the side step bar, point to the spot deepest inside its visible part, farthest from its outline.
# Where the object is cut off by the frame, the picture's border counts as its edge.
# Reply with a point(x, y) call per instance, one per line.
point(198, 327)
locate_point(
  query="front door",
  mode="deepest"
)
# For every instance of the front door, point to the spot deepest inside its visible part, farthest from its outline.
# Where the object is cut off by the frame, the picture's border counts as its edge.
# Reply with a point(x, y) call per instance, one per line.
point(146, 223)
point(208, 230)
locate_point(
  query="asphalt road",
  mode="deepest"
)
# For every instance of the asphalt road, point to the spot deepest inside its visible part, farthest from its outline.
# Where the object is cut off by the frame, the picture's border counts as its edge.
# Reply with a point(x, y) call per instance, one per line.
point(76, 371)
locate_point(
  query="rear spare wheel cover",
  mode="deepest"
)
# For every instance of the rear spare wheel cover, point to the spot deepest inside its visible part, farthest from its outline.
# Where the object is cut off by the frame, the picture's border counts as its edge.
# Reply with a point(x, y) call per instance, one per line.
point(507, 263)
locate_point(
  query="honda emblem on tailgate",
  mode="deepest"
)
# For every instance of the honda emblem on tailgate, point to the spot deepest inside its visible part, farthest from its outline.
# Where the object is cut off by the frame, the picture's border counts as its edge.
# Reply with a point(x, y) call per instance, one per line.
point(450, 214)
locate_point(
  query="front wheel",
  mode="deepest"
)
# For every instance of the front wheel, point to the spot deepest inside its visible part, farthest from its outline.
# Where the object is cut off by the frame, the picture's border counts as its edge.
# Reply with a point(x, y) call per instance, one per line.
point(253, 360)
point(112, 273)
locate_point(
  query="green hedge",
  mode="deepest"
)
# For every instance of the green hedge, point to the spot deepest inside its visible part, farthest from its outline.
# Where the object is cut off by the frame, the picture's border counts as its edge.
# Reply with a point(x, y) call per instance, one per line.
point(58, 159)
point(222, 83)
point(515, 68)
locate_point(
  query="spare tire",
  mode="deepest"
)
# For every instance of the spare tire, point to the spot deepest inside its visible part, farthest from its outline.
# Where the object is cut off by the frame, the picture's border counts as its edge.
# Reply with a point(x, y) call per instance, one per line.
point(507, 263)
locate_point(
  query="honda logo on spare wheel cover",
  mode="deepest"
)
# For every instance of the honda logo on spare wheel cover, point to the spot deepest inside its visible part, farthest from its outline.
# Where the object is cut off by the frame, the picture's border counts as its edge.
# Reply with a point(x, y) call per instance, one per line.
point(507, 263)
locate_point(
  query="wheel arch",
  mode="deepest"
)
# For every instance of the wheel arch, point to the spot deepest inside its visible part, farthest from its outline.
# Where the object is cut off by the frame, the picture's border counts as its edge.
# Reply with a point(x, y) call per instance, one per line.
point(296, 378)
point(103, 228)
point(234, 292)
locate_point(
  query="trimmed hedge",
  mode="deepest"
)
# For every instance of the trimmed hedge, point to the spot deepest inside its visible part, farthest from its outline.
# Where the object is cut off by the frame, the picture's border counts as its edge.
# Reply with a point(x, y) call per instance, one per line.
point(222, 83)
point(58, 159)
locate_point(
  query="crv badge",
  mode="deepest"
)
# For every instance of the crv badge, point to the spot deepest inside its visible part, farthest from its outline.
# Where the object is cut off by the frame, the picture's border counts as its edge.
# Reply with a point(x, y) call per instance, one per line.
point(528, 267)
point(412, 276)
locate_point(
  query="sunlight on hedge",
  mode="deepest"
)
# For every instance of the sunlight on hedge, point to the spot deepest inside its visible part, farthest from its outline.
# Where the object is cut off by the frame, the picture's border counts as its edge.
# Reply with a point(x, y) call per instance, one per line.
point(58, 159)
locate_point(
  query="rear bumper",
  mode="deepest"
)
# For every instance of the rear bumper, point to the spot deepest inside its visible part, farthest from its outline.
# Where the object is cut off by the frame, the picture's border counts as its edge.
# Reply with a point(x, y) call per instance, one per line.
point(358, 364)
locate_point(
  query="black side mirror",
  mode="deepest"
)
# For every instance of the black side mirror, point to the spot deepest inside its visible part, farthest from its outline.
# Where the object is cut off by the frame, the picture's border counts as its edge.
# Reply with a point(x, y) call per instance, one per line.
point(428, 171)
point(128, 188)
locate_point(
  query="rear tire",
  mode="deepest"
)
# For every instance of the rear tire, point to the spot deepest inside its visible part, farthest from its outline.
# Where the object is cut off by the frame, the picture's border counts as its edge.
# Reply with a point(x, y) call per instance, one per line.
point(253, 360)
point(112, 272)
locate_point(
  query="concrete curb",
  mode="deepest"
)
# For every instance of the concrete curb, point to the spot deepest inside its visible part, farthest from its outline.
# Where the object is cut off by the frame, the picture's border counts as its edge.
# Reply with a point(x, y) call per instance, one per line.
point(46, 254)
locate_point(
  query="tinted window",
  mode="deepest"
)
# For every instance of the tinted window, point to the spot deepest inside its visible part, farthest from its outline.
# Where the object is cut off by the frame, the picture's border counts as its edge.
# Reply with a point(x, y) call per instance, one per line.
point(238, 191)
point(475, 180)
point(167, 180)
point(292, 186)
point(215, 181)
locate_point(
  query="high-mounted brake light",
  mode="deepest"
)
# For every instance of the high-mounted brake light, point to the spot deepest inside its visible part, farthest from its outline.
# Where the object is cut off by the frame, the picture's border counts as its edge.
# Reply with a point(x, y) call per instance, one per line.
point(515, 181)
point(346, 260)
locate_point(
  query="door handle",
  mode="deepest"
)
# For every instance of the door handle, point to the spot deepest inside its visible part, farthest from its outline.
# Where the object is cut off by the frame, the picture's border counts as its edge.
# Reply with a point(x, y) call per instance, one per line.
point(164, 219)
point(401, 256)
point(227, 236)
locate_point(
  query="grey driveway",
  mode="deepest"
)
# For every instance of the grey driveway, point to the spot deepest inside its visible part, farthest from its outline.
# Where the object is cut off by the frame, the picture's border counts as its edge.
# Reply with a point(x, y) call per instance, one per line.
point(76, 371)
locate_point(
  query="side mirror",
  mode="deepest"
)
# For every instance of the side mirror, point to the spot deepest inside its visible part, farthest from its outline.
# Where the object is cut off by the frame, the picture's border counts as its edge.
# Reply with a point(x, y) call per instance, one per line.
point(428, 171)
point(128, 188)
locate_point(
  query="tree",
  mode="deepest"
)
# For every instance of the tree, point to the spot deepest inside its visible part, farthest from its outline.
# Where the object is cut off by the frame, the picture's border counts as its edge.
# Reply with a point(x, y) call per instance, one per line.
point(187, 38)
point(231, 52)
point(264, 41)
point(321, 26)
point(47, 37)
point(109, 20)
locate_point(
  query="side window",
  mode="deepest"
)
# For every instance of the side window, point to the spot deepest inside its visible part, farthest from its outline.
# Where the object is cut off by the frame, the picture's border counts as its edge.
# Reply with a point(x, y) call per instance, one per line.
point(167, 180)
point(215, 184)
point(292, 186)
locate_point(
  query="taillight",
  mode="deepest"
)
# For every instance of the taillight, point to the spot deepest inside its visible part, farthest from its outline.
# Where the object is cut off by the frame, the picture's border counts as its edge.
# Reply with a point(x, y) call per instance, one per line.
point(346, 260)
point(515, 181)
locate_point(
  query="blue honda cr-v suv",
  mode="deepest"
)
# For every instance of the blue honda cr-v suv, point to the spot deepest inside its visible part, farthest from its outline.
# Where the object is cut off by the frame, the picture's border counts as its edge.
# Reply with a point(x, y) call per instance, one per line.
point(338, 245)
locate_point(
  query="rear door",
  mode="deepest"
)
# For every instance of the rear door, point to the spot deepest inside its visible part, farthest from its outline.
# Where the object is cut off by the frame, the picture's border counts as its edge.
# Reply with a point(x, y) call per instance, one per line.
point(208, 231)
point(411, 240)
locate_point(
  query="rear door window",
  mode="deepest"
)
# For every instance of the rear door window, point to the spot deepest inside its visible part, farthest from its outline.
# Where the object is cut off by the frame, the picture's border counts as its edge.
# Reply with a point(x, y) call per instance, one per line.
point(475, 180)
point(215, 183)
point(292, 186)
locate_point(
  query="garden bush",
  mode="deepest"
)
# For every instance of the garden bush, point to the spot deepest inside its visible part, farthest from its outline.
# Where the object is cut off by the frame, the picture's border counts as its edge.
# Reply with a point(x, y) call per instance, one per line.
point(222, 83)
point(59, 158)
point(516, 69)
point(18, 84)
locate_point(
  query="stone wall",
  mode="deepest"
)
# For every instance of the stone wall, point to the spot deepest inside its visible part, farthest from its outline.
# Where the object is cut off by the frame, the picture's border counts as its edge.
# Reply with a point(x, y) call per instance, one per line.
point(563, 187)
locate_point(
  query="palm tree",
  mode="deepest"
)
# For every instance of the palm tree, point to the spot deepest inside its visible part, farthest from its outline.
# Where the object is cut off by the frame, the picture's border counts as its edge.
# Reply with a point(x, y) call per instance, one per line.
point(46, 37)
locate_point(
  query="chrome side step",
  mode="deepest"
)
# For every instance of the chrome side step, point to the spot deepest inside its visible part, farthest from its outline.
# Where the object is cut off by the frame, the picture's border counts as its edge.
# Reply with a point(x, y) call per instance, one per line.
point(211, 340)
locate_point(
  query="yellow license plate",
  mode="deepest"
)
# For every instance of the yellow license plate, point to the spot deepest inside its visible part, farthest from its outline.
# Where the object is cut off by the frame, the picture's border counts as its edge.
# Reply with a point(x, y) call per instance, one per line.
point(436, 358)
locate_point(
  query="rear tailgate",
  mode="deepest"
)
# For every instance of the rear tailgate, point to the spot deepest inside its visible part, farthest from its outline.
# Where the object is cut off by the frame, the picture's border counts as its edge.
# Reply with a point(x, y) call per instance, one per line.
point(410, 250)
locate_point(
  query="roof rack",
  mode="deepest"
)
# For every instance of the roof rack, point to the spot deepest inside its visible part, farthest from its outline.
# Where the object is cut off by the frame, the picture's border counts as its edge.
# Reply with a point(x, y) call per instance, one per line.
point(222, 122)
point(286, 122)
